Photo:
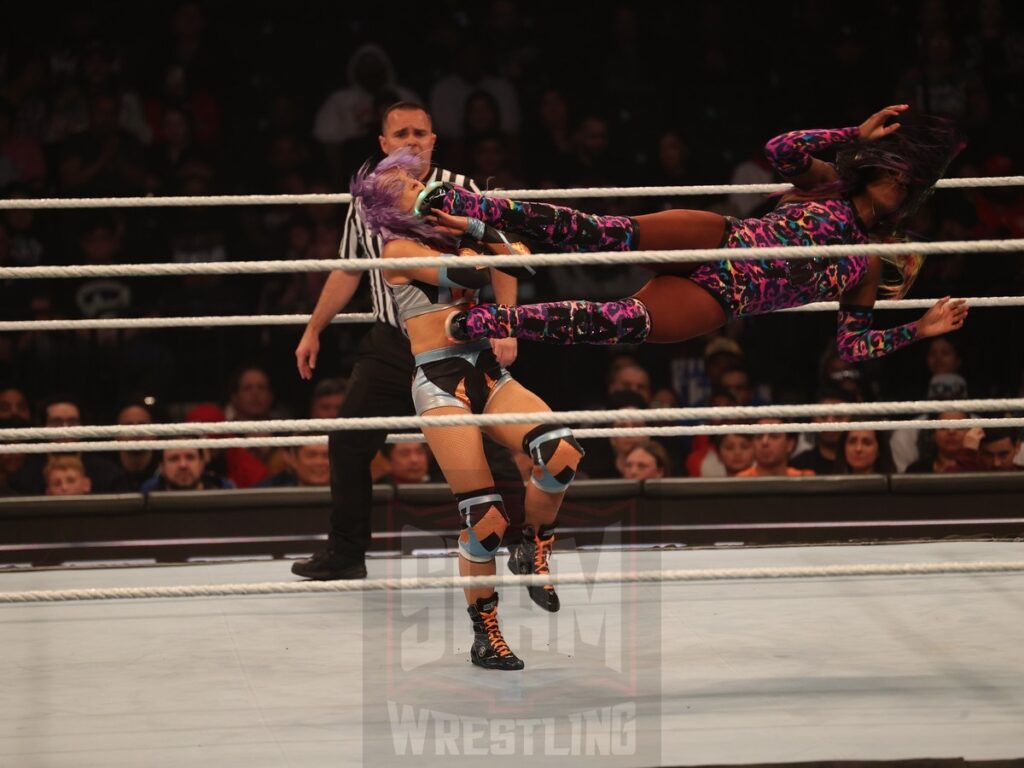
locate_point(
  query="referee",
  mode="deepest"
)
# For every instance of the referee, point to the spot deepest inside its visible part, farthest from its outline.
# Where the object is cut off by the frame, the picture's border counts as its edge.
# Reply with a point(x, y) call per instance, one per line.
point(381, 380)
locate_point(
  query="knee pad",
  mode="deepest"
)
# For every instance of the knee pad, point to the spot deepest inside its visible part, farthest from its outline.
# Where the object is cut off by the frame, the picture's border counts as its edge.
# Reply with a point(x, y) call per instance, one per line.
point(484, 521)
point(555, 454)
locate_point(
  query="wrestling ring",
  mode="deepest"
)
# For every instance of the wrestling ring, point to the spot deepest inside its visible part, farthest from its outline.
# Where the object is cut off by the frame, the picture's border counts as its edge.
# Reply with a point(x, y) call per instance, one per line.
point(661, 655)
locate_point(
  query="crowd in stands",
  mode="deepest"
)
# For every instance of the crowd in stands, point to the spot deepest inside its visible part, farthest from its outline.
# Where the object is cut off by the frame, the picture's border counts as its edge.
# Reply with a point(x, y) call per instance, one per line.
point(288, 100)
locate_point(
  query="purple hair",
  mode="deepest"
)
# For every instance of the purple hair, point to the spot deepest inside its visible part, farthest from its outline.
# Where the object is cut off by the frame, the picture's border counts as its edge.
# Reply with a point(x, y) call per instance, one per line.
point(376, 192)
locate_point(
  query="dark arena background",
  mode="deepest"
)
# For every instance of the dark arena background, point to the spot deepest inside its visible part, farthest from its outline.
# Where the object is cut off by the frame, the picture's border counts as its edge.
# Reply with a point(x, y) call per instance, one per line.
point(855, 599)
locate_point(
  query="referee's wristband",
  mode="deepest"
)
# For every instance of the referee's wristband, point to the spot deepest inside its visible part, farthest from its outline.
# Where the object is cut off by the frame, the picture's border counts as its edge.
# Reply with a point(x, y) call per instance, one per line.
point(475, 229)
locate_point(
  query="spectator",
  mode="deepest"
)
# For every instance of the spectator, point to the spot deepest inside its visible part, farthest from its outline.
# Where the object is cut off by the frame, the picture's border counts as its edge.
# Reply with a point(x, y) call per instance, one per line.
point(138, 466)
point(836, 373)
point(943, 356)
point(703, 459)
point(65, 476)
point(63, 411)
point(10, 463)
point(240, 465)
point(14, 404)
point(591, 163)
point(941, 84)
point(735, 380)
point(945, 450)
point(907, 443)
point(409, 463)
point(864, 452)
point(627, 374)
point(491, 162)
point(102, 160)
point(606, 458)
point(251, 396)
point(27, 238)
point(184, 469)
point(989, 450)
point(646, 461)
point(735, 451)
point(548, 142)
point(328, 395)
point(694, 378)
point(21, 158)
point(822, 455)
point(771, 454)
point(449, 95)
point(351, 112)
point(307, 466)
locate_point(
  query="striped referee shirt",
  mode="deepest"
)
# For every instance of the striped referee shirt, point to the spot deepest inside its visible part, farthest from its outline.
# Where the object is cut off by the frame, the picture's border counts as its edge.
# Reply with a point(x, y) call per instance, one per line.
point(358, 243)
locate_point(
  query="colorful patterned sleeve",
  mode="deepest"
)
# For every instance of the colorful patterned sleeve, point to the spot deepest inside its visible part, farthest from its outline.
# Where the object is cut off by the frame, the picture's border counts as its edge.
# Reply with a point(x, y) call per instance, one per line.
point(858, 341)
point(791, 153)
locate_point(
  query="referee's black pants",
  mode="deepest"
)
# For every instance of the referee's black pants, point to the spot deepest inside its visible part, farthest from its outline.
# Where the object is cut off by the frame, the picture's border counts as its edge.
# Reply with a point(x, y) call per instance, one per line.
point(380, 385)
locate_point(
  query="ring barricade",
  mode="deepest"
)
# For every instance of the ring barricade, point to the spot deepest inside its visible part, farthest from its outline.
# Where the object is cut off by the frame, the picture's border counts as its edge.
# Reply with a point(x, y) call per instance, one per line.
point(233, 321)
point(499, 580)
point(676, 256)
point(314, 438)
point(182, 201)
point(193, 429)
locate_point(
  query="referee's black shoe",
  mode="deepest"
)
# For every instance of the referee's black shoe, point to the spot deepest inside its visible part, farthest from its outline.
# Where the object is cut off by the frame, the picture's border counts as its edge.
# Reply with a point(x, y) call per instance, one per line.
point(330, 566)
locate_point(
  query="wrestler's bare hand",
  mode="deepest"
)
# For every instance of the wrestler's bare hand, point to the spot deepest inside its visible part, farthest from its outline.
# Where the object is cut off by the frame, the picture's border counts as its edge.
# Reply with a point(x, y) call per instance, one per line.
point(505, 351)
point(453, 225)
point(875, 128)
point(945, 315)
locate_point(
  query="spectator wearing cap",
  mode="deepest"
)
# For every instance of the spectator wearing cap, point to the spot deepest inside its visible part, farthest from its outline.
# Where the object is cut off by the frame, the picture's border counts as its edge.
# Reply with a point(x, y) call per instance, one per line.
point(693, 378)
point(239, 465)
point(328, 395)
point(908, 445)
point(66, 476)
point(308, 466)
point(185, 469)
point(771, 454)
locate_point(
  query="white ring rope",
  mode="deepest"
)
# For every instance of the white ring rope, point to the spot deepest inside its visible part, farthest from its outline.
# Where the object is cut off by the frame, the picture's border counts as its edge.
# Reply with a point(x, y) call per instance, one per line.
point(455, 582)
point(179, 201)
point(192, 429)
point(679, 256)
point(232, 321)
point(315, 438)
point(208, 321)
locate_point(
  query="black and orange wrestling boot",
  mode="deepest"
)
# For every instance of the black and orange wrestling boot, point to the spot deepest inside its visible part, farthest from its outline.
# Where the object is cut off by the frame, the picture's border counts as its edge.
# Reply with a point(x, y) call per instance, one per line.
point(530, 556)
point(490, 650)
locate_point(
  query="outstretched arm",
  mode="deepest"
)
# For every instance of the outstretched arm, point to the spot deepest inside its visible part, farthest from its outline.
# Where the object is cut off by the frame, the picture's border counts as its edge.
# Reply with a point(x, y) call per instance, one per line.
point(792, 154)
point(858, 341)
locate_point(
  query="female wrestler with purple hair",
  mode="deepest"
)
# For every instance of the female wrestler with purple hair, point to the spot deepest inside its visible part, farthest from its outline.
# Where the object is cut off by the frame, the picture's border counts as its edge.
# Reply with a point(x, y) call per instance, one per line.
point(467, 377)
point(881, 175)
